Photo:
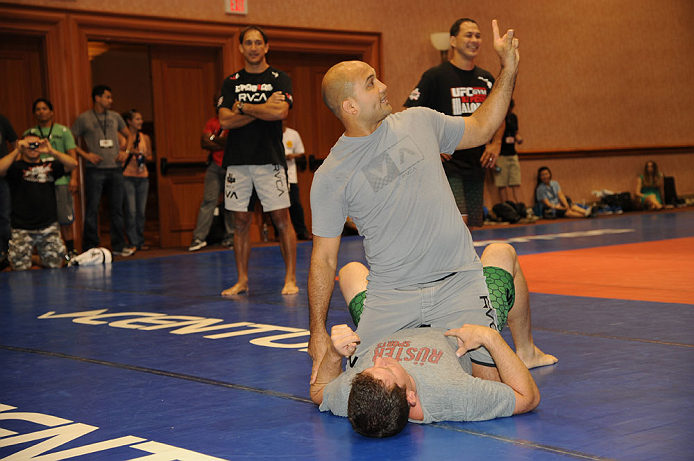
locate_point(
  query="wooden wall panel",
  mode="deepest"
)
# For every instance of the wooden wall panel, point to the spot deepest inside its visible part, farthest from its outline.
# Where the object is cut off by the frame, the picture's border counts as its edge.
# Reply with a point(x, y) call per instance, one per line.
point(594, 73)
point(23, 74)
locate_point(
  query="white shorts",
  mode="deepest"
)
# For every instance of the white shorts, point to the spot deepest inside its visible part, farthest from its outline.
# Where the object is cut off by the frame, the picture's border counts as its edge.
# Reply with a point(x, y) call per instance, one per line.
point(269, 181)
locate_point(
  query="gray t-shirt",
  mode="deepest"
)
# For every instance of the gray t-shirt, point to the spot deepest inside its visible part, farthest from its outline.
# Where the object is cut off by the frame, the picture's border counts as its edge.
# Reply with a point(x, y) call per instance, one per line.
point(392, 184)
point(445, 386)
point(95, 127)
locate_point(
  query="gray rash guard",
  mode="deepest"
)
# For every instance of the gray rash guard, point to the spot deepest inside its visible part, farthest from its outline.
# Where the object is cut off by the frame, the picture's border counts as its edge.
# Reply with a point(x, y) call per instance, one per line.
point(392, 184)
point(445, 387)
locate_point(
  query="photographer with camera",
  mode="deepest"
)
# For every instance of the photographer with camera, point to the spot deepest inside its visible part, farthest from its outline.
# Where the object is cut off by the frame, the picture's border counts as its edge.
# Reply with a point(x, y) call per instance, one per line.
point(34, 217)
point(66, 187)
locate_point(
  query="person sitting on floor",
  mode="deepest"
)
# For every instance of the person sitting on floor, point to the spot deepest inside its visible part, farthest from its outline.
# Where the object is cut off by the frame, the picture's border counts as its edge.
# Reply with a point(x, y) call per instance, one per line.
point(549, 194)
point(649, 187)
point(421, 375)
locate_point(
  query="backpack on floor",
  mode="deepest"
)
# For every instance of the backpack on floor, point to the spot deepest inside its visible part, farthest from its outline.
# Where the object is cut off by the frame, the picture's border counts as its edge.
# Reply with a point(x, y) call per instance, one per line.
point(621, 200)
point(505, 213)
point(520, 208)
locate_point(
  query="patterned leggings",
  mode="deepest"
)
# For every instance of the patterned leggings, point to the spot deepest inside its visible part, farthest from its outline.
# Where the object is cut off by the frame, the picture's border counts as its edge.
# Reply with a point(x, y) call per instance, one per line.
point(502, 295)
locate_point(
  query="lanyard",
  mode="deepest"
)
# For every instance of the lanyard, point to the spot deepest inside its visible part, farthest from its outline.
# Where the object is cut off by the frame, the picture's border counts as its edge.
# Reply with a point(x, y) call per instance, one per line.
point(103, 127)
point(41, 132)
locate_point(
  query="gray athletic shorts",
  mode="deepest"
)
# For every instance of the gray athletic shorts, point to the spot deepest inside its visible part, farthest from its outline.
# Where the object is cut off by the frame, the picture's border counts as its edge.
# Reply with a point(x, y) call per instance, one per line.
point(269, 181)
point(451, 302)
point(66, 212)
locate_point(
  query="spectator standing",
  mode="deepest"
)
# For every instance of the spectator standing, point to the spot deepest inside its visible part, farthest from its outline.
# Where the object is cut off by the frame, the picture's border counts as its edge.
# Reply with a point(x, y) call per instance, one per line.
point(99, 128)
point(508, 174)
point(61, 139)
point(136, 178)
point(459, 87)
point(213, 139)
point(254, 102)
point(294, 149)
point(7, 135)
point(34, 214)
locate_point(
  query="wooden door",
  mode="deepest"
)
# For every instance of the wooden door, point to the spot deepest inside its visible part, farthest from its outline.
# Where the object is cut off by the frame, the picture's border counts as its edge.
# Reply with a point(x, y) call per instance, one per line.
point(184, 81)
point(318, 127)
point(23, 74)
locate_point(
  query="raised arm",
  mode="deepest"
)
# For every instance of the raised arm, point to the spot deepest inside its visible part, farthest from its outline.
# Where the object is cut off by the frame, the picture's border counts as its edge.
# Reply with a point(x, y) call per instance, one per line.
point(321, 281)
point(483, 123)
point(511, 369)
point(68, 162)
point(493, 149)
point(9, 159)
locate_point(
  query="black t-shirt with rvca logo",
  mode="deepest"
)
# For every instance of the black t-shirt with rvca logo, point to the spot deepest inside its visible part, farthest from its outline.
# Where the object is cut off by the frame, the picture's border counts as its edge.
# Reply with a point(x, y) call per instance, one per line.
point(259, 142)
point(453, 91)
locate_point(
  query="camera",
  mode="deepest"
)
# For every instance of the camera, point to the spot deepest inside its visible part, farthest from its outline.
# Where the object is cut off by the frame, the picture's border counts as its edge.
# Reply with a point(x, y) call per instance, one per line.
point(33, 145)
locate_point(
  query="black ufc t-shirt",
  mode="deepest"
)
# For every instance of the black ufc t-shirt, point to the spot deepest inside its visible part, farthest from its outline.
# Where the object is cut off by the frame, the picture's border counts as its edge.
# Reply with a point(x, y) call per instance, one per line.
point(454, 91)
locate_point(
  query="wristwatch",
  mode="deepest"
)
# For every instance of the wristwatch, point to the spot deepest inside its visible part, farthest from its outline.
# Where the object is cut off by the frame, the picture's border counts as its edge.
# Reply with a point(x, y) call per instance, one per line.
point(240, 107)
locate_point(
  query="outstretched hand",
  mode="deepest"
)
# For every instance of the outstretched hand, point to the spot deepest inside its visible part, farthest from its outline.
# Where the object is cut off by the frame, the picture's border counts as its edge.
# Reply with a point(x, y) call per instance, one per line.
point(506, 47)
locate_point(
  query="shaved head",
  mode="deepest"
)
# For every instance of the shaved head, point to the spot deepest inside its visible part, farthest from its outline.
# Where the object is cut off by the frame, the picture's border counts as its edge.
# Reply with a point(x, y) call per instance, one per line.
point(338, 84)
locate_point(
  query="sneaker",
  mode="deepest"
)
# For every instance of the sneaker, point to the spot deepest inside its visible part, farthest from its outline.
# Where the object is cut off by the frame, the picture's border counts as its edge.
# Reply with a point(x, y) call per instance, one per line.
point(125, 252)
point(197, 244)
point(588, 211)
point(228, 242)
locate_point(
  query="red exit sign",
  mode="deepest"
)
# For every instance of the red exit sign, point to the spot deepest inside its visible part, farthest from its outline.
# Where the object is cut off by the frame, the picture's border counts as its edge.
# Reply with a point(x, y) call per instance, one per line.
point(236, 6)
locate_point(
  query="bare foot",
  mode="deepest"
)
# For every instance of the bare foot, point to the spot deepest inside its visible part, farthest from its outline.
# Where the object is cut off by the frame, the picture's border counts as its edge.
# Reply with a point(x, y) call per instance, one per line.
point(236, 289)
point(290, 288)
point(537, 359)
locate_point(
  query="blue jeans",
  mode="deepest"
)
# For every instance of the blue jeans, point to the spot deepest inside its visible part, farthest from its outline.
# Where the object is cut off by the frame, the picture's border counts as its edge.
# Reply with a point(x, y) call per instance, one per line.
point(96, 179)
point(136, 190)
